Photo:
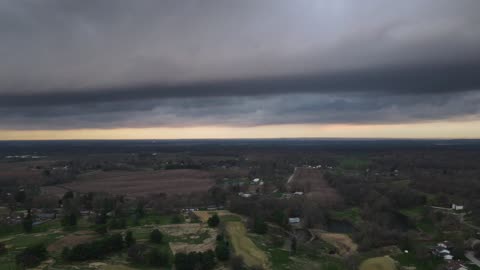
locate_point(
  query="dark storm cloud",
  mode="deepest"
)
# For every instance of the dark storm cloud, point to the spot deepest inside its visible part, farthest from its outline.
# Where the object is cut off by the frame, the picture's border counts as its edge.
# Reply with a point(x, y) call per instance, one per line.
point(248, 111)
point(80, 64)
point(427, 79)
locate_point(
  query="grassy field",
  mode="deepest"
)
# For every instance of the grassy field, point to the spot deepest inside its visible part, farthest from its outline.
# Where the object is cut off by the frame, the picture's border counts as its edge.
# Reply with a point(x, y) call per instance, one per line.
point(354, 163)
point(230, 218)
point(410, 260)
point(379, 263)
point(415, 214)
point(244, 246)
point(351, 215)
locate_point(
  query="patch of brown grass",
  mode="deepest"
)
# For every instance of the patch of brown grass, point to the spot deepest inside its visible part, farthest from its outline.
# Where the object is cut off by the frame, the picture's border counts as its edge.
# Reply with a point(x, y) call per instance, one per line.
point(70, 240)
point(139, 183)
point(315, 186)
point(342, 242)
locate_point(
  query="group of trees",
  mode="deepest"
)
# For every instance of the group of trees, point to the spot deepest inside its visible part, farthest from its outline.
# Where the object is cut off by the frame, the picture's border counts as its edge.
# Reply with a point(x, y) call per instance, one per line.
point(213, 221)
point(97, 249)
point(144, 255)
point(71, 210)
point(3, 248)
point(195, 261)
point(222, 250)
point(156, 236)
point(268, 208)
point(27, 222)
point(381, 223)
point(31, 256)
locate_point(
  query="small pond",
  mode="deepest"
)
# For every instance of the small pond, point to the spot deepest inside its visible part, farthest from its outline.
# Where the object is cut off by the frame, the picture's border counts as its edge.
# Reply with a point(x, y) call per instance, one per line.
point(339, 226)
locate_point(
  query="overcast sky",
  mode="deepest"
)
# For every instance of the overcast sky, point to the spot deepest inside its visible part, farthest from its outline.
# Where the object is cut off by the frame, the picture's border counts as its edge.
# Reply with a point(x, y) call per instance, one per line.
point(107, 65)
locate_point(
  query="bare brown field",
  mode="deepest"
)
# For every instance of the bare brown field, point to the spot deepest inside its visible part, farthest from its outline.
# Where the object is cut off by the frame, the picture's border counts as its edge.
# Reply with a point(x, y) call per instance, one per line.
point(20, 172)
point(139, 183)
point(312, 182)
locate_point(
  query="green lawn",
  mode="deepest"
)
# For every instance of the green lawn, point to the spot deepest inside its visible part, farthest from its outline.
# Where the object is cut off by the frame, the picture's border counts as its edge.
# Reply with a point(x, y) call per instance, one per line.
point(415, 212)
point(379, 263)
point(228, 218)
point(354, 163)
point(351, 215)
point(425, 264)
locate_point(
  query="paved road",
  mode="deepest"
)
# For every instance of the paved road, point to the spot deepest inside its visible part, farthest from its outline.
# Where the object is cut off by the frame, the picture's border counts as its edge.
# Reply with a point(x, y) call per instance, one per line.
point(472, 258)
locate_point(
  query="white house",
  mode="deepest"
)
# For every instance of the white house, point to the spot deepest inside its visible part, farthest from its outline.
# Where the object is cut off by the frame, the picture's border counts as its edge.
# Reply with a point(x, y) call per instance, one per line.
point(294, 220)
point(442, 245)
point(244, 195)
point(457, 207)
point(448, 257)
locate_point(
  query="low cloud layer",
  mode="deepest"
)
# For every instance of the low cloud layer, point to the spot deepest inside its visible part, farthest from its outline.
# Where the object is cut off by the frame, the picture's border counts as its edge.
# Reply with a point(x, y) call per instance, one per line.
point(247, 111)
point(108, 64)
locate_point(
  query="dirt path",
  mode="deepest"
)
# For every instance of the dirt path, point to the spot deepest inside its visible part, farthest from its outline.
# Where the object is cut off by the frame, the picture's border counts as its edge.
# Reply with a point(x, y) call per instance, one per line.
point(291, 176)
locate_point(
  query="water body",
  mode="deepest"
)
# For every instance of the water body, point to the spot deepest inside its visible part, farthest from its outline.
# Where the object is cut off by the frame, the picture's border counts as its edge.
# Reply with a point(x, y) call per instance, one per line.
point(339, 226)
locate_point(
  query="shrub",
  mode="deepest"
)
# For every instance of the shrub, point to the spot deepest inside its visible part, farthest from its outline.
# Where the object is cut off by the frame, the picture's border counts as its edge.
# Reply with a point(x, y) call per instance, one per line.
point(259, 226)
point(65, 253)
point(237, 263)
point(177, 219)
point(3, 249)
point(129, 240)
point(213, 221)
point(27, 223)
point(101, 229)
point(195, 260)
point(69, 220)
point(117, 223)
point(136, 253)
point(156, 258)
point(156, 236)
point(222, 251)
point(32, 256)
point(94, 250)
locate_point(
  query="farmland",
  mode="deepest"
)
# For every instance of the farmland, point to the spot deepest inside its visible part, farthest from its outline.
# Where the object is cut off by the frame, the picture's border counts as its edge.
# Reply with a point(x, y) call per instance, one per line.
point(312, 182)
point(21, 172)
point(138, 183)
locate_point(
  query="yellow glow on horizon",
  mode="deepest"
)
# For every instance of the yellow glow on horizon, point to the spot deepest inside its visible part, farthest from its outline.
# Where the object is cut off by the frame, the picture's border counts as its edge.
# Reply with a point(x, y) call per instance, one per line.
point(442, 129)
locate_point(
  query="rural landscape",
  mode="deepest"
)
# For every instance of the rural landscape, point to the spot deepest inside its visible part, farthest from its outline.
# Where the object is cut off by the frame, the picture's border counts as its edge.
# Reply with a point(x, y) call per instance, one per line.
point(240, 134)
point(240, 204)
